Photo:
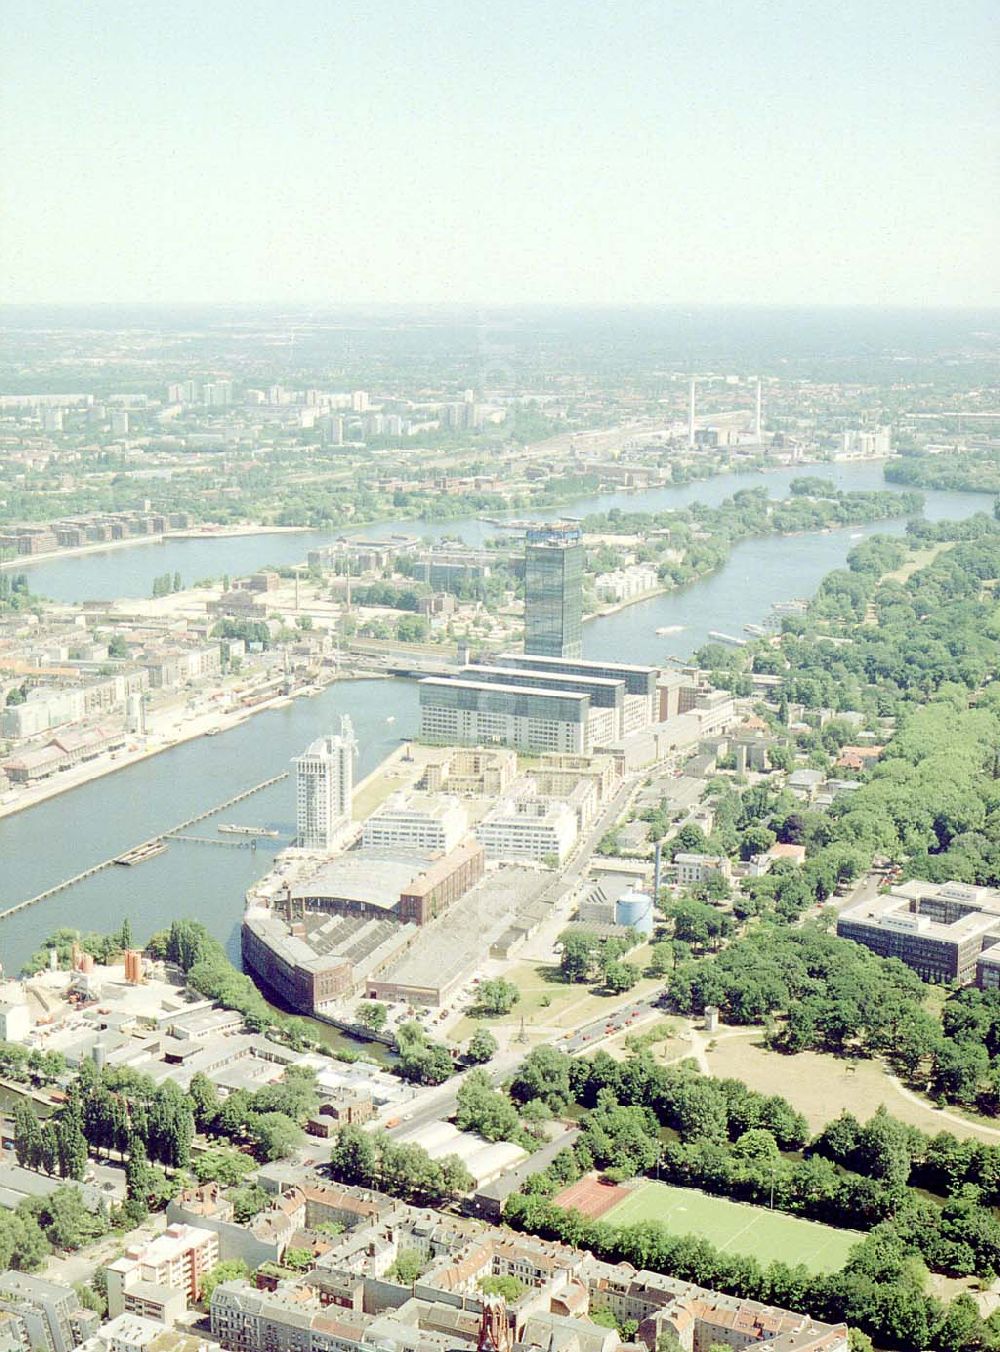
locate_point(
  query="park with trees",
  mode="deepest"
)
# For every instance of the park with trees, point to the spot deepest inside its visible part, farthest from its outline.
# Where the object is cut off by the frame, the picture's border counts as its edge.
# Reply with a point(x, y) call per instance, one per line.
point(925, 1202)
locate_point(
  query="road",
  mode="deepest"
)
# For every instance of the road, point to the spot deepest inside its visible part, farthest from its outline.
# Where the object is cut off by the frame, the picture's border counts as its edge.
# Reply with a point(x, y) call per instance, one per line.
point(611, 1023)
point(440, 1102)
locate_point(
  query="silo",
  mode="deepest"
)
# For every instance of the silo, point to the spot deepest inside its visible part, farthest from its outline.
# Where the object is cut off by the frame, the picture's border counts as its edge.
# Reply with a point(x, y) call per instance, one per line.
point(635, 909)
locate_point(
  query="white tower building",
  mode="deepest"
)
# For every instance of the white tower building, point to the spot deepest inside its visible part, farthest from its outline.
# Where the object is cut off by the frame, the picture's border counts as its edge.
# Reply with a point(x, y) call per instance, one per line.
point(324, 786)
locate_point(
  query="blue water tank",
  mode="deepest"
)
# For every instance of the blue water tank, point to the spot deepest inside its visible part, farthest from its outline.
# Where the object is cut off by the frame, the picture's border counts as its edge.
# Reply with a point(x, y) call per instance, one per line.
point(635, 909)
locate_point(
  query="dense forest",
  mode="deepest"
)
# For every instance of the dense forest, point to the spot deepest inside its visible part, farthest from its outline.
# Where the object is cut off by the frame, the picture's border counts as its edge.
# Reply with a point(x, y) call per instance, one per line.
point(973, 471)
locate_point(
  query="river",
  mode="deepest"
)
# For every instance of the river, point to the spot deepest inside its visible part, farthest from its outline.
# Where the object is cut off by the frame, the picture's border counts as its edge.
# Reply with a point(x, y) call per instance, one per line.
point(106, 574)
point(63, 836)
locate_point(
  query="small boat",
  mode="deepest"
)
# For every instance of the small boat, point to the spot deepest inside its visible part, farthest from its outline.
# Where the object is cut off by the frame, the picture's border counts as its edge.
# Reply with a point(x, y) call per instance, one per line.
point(231, 830)
point(391, 718)
point(666, 629)
point(212, 732)
point(857, 535)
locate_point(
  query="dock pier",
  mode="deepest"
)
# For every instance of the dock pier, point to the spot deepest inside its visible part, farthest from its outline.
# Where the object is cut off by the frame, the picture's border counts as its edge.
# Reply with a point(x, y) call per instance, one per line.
point(162, 836)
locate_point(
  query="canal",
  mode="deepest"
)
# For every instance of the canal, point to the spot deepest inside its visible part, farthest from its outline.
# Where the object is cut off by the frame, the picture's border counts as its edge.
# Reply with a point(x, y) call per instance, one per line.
point(44, 844)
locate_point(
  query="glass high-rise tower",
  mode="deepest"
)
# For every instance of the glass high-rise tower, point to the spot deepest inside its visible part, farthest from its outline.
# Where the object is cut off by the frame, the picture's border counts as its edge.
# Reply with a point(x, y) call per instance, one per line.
point(553, 591)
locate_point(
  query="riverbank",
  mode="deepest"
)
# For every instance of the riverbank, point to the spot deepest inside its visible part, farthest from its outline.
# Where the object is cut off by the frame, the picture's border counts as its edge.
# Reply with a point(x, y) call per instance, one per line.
point(112, 546)
point(189, 727)
point(186, 729)
point(613, 607)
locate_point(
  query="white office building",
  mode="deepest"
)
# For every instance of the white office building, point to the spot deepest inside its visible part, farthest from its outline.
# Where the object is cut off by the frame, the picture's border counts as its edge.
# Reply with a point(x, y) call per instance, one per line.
point(543, 829)
point(417, 821)
point(324, 785)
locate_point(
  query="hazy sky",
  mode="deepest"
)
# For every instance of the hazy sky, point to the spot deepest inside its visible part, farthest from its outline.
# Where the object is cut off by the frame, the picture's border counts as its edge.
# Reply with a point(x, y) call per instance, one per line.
point(786, 151)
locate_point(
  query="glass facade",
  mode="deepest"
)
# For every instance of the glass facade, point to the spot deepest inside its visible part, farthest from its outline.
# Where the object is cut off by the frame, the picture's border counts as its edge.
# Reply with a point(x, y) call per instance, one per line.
point(553, 593)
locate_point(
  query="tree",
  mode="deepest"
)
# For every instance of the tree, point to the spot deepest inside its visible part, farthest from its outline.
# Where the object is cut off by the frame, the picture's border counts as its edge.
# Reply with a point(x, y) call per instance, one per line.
point(668, 1342)
point(71, 1145)
point(486, 1110)
point(482, 1047)
point(27, 1135)
point(67, 1222)
point(544, 1074)
point(661, 958)
point(249, 1202)
point(299, 1260)
point(407, 1267)
point(91, 1299)
point(172, 1126)
point(496, 997)
point(620, 977)
point(622, 1138)
point(226, 1167)
point(510, 1288)
point(690, 839)
point(420, 1059)
point(295, 1095)
point(354, 1157)
point(579, 949)
point(231, 1270)
point(757, 839)
point(138, 1173)
point(204, 1098)
point(274, 1136)
point(372, 1015)
point(48, 1149)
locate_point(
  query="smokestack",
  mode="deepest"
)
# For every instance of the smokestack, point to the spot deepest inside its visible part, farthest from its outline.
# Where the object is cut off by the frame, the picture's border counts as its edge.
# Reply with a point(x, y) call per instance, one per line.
point(656, 874)
point(691, 416)
point(757, 421)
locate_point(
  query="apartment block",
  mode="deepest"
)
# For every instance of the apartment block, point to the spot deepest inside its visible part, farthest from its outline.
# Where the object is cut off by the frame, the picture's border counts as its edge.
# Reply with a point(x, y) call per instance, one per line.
point(42, 1314)
point(528, 827)
point(415, 821)
point(691, 869)
point(154, 1279)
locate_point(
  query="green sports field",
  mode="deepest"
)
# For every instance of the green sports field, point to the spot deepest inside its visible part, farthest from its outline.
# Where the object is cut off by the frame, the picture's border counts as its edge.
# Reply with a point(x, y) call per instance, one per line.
point(736, 1227)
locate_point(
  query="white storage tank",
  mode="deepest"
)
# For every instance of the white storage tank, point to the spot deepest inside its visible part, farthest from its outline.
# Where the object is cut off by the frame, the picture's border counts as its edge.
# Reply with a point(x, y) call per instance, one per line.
point(635, 909)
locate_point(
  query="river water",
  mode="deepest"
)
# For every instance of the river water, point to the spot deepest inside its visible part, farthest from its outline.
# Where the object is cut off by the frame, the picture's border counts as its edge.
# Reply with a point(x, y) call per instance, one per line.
point(59, 838)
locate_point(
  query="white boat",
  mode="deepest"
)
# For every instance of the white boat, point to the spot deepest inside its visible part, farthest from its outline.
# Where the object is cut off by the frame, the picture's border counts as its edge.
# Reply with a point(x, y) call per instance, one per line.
point(391, 718)
point(666, 629)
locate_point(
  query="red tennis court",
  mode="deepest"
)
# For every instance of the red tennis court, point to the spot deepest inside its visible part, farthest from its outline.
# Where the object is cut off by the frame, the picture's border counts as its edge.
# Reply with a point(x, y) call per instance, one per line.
point(591, 1196)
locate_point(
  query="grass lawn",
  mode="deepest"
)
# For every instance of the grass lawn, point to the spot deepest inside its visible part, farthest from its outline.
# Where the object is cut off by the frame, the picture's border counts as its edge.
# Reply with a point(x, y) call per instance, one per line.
point(820, 1085)
point(919, 558)
point(568, 1007)
point(736, 1227)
